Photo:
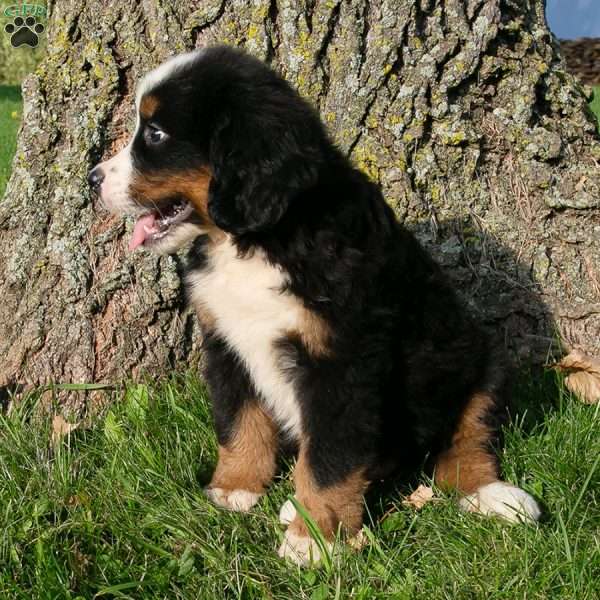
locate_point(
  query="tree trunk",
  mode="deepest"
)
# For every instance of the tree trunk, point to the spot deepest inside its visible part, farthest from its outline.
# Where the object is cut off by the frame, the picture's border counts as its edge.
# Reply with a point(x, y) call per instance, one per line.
point(461, 110)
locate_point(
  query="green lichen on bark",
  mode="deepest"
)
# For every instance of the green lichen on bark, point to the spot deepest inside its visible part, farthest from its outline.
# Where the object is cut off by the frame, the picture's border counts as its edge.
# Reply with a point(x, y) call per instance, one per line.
point(462, 111)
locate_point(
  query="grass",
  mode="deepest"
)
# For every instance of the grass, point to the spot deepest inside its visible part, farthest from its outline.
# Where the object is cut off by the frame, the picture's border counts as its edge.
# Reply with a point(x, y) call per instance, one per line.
point(116, 510)
point(10, 116)
point(595, 103)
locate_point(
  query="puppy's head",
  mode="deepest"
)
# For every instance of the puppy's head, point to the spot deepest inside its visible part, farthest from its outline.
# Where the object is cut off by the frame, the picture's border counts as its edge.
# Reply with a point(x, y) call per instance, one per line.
point(221, 143)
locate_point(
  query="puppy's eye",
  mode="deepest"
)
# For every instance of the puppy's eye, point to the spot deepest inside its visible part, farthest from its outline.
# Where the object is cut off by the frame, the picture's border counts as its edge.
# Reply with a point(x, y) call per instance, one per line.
point(154, 135)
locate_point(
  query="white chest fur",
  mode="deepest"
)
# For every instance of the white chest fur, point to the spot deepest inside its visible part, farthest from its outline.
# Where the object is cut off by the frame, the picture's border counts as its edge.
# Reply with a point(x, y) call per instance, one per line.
point(243, 296)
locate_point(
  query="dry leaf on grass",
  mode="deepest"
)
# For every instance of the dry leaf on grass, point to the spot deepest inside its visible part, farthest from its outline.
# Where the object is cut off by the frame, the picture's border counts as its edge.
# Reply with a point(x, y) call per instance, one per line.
point(584, 375)
point(60, 428)
point(419, 498)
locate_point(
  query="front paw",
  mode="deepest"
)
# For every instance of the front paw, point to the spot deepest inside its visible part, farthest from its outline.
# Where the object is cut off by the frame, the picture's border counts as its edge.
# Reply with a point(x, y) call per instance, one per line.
point(301, 549)
point(237, 500)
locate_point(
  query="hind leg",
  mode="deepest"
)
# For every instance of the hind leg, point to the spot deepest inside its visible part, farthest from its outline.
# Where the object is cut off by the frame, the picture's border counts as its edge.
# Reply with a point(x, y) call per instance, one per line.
point(470, 466)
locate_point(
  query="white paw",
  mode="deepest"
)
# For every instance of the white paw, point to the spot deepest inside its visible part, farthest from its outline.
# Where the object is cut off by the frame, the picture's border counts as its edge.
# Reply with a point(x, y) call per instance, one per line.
point(238, 500)
point(504, 500)
point(287, 513)
point(300, 549)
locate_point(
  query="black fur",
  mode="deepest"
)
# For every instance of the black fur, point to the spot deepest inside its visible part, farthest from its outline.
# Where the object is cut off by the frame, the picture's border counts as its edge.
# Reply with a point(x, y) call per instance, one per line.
point(405, 355)
point(229, 384)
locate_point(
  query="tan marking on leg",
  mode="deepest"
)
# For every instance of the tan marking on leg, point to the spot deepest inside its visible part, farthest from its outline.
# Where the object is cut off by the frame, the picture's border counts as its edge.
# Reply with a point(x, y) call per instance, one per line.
point(330, 507)
point(315, 334)
point(249, 459)
point(469, 463)
point(148, 106)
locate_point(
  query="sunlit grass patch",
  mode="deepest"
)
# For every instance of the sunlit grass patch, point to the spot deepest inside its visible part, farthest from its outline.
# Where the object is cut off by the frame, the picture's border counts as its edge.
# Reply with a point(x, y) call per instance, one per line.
point(10, 117)
point(116, 509)
point(595, 103)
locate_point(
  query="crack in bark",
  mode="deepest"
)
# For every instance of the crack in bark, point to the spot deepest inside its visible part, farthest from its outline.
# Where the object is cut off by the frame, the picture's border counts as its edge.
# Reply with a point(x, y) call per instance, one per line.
point(321, 58)
point(73, 33)
point(310, 9)
point(363, 41)
point(271, 30)
point(475, 12)
point(198, 29)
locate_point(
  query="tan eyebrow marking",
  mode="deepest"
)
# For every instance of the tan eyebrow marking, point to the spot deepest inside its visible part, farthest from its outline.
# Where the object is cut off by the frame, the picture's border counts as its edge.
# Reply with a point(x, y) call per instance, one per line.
point(148, 106)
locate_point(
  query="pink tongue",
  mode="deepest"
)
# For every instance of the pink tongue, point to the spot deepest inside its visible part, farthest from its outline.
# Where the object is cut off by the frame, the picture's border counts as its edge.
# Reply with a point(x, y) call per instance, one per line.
point(139, 233)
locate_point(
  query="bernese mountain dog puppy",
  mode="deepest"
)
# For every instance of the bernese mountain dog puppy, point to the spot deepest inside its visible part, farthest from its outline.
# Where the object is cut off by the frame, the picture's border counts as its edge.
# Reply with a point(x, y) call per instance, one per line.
point(325, 323)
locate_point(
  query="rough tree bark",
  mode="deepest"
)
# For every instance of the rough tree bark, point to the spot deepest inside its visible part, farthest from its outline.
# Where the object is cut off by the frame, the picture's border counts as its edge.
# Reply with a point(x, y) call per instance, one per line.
point(461, 109)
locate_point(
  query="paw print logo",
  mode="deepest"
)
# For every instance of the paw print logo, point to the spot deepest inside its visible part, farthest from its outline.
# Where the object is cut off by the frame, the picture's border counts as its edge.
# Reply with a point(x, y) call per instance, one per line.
point(24, 31)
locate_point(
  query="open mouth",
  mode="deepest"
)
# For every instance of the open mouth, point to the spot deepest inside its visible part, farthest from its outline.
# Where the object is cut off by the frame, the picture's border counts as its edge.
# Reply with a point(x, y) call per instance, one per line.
point(152, 227)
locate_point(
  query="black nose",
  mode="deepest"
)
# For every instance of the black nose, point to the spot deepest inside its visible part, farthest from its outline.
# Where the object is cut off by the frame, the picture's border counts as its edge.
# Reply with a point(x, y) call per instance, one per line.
point(95, 178)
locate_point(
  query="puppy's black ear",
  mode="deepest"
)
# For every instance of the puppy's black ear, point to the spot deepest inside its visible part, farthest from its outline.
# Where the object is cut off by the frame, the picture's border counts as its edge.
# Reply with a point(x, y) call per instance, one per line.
point(259, 169)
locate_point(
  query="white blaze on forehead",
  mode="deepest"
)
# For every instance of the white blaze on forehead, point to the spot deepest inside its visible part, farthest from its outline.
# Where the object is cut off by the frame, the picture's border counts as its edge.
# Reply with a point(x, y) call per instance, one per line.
point(163, 73)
